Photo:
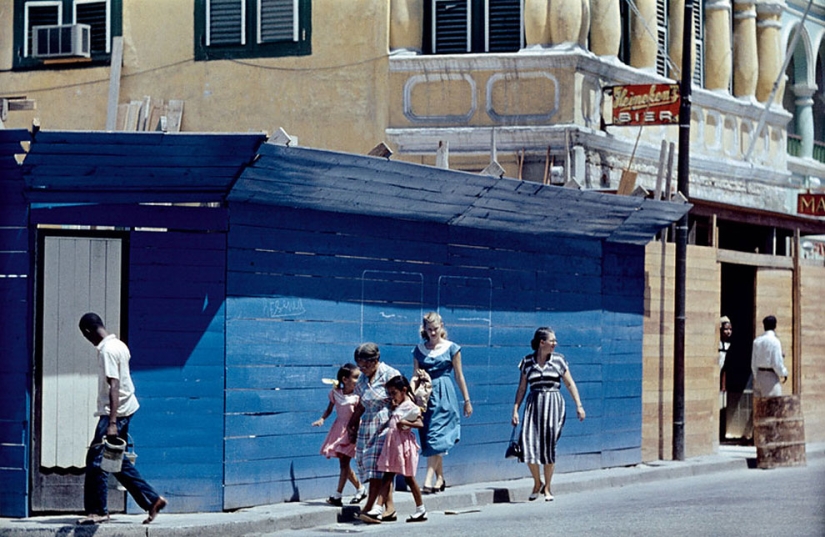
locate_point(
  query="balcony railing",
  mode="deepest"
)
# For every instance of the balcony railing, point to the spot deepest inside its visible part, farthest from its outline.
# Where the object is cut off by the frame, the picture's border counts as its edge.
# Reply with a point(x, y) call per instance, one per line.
point(795, 148)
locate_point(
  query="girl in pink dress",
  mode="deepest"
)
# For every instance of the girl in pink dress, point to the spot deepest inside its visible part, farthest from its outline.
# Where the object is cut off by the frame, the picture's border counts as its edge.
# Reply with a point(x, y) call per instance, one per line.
point(337, 443)
point(400, 452)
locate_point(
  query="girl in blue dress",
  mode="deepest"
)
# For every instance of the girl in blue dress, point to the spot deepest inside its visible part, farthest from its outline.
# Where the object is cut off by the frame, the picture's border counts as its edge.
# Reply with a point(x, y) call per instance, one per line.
point(442, 421)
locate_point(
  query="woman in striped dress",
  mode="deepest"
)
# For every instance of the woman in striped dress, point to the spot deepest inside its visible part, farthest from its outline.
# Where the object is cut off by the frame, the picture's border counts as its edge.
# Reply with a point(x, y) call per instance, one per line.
point(544, 413)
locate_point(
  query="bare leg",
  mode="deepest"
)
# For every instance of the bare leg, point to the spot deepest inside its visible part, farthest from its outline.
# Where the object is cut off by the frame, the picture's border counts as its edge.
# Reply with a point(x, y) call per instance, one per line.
point(354, 479)
point(548, 475)
point(416, 492)
point(431, 474)
point(389, 505)
point(373, 495)
point(534, 471)
point(439, 471)
point(343, 463)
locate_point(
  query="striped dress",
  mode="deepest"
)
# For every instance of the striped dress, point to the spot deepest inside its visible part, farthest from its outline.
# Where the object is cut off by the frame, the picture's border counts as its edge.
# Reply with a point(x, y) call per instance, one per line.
point(373, 426)
point(544, 411)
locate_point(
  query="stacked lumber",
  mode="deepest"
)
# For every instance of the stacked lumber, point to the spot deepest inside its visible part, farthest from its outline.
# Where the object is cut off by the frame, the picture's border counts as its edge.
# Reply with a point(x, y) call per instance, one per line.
point(150, 115)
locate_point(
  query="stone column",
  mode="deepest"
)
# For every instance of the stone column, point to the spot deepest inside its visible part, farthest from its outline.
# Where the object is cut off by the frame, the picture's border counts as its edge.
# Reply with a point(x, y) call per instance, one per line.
point(676, 17)
point(769, 39)
point(565, 21)
point(745, 58)
point(406, 25)
point(606, 34)
point(536, 27)
point(804, 118)
point(718, 57)
point(642, 44)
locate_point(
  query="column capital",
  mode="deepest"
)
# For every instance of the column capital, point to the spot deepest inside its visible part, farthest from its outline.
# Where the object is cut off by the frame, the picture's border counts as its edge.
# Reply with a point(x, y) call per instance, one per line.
point(717, 5)
point(804, 90)
point(770, 7)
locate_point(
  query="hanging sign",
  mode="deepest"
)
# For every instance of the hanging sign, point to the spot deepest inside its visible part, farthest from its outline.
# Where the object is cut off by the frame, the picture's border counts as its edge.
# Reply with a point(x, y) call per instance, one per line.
point(812, 204)
point(645, 104)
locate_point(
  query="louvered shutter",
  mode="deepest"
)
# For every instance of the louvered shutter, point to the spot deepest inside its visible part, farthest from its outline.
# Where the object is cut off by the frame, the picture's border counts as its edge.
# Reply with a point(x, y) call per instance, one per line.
point(226, 22)
point(661, 37)
point(96, 16)
point(277, 20)
point(503, 26)
point(699, 39)
point(40, 15)
point(451, 26)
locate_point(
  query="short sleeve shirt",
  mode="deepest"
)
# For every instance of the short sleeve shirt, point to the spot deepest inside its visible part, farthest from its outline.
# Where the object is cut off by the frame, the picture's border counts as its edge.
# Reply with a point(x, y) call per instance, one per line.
point(113, 361)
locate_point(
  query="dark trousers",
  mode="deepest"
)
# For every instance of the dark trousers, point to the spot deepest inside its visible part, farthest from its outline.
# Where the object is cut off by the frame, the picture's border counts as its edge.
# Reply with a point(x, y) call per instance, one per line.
point(95, 488)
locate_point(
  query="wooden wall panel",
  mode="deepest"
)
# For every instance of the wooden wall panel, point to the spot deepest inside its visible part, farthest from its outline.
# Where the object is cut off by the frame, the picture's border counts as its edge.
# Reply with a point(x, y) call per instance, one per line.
point(774, 296)
point(701, 338)
point(16, 335)
point(305, 288)
point(176, 335)
point(813, 351)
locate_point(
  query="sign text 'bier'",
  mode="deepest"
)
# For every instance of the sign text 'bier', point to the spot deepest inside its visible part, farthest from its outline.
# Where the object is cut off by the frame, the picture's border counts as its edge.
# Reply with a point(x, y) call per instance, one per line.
point(646, 104)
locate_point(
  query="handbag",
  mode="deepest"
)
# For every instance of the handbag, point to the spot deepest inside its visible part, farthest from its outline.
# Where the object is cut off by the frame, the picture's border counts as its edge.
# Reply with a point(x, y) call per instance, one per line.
point(422, 386)
point(514, 448)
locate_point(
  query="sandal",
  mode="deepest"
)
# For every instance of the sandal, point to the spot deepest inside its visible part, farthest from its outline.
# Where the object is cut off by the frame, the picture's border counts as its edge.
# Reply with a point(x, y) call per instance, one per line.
point(391, 517)
point(370, 518)
point(359, 496)
point(418, 517)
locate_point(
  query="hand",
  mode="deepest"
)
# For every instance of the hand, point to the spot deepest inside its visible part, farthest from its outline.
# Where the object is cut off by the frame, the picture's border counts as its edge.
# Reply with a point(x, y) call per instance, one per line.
point(580, 412)
point(514, 420)
point(318, 422)
point(468, 409)
point(111, 430)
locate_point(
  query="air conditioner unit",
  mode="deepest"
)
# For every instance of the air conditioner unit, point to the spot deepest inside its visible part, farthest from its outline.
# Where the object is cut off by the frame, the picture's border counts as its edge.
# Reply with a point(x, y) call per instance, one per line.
point(61, 41)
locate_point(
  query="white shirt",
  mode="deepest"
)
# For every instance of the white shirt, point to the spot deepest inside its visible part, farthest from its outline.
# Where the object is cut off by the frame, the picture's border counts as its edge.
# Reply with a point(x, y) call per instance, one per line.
point(113, 359)
point(767, 353)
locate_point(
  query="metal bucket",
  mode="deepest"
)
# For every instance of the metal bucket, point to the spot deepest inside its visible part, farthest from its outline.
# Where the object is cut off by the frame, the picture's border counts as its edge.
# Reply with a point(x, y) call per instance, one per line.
point(113, 449)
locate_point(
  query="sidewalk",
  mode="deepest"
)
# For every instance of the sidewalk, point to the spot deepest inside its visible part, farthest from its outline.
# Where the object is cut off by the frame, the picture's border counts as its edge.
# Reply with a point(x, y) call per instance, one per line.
point(314, 513)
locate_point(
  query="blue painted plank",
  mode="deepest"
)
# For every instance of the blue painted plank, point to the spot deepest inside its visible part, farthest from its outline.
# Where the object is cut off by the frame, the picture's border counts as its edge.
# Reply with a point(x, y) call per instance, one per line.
point(296, 400)
point(14, 500)
point(130, 215)
point(13, 456)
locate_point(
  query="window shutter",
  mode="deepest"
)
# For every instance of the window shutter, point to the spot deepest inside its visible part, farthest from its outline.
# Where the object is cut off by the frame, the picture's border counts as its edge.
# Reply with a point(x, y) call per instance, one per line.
point(96, 16)
point(661, 34)
point(277, 20)
point(503, 26)
point(40, 15)
point(226, 22)
point(699, 39)
point(451, 26)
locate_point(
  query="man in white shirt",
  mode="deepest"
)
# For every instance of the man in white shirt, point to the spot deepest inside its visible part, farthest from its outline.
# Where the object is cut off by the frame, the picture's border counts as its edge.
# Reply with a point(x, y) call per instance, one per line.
point(116, 404)
point(767, 361)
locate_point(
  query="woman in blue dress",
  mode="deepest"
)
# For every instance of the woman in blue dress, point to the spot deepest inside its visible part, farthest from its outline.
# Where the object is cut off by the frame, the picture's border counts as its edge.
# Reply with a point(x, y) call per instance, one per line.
point(442, 421)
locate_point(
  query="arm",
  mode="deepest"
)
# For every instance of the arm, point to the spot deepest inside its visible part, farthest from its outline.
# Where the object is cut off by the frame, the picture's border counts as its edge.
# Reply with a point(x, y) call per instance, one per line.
point(327, 412)
point(417, 423)
point(355, 422)
point(522, 389)
point(462, 384)
point(114, 402)
point(574, 391)
point(778, 361)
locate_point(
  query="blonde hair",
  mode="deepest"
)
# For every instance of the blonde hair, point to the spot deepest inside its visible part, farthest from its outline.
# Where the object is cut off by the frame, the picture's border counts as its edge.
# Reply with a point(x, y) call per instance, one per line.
point(432, 318)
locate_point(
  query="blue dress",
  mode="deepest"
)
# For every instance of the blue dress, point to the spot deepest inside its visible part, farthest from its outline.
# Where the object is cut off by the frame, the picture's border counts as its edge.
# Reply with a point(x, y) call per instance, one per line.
point(442, 420)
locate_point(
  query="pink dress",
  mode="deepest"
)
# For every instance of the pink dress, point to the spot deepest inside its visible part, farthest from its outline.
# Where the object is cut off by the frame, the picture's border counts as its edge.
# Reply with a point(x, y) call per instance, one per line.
point(337, 441)
point(400, 452)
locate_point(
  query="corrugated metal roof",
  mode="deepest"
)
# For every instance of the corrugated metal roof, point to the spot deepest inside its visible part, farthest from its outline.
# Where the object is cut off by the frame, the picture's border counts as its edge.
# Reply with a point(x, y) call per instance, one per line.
point(340, 182)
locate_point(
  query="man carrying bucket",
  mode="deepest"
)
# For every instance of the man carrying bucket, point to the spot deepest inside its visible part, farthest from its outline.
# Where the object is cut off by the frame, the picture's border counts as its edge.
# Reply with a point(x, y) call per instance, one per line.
point(116, 404)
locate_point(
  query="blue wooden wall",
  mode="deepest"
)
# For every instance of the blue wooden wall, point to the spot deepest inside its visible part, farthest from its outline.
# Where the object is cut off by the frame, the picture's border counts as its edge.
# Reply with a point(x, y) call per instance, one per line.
point(304, 288)
point(175, 320)
point(15, 335)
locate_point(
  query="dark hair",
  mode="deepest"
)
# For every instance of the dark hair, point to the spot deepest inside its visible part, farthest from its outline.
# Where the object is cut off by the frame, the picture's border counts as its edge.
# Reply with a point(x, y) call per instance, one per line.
point(90, 322)
point(400, 383)
point(769, 322)
point(345, 372)
point(367, 352)
point(542, 334)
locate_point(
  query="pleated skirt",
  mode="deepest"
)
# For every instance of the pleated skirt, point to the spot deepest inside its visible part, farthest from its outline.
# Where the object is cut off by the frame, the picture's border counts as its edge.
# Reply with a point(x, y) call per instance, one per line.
point(541, 427)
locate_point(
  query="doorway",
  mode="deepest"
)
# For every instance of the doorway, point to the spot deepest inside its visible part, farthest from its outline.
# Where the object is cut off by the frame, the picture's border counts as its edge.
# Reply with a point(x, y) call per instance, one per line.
point(77, 272)
point(738, 304)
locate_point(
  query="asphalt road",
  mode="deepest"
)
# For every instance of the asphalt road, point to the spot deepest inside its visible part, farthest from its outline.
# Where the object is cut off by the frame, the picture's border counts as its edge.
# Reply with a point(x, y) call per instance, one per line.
point(747, 502)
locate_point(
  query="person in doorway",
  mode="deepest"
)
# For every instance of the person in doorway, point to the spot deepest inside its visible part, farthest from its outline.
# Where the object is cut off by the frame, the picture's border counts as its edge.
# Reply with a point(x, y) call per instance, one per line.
point(116, 404)
point(767, 361)
point(438, 357)
point(725, 333)
point(543, 371)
